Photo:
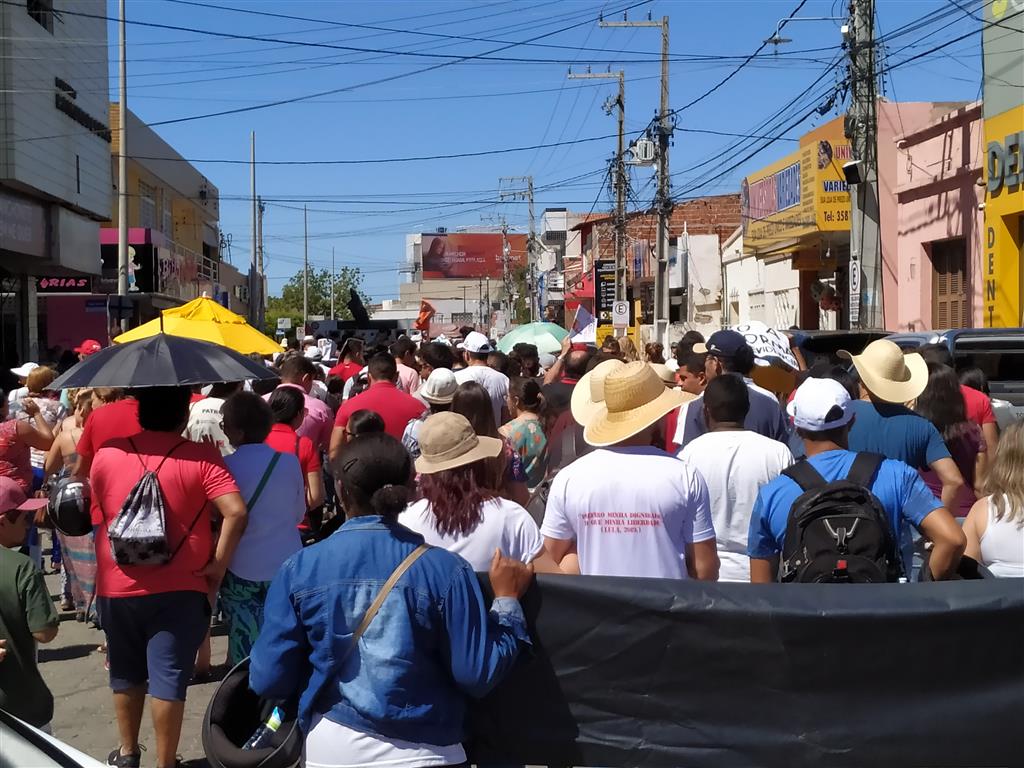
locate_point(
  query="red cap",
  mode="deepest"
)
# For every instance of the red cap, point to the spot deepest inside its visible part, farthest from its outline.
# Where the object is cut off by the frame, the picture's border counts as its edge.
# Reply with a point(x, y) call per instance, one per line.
point(88, 347)
point(13, 498)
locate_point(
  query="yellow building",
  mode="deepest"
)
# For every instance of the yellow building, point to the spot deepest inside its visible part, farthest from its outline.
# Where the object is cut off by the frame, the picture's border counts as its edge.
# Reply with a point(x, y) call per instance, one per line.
point(1003, 112)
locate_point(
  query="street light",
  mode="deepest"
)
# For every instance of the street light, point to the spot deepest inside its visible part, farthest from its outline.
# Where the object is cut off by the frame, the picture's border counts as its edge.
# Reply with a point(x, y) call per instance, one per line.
point(778, 40)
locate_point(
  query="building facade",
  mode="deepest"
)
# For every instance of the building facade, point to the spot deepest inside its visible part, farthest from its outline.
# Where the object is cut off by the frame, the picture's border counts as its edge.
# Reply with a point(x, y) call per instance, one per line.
point(54, 163)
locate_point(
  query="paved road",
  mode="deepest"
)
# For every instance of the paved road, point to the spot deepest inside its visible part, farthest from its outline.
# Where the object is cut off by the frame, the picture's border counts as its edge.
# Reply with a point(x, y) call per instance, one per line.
point(83, 710)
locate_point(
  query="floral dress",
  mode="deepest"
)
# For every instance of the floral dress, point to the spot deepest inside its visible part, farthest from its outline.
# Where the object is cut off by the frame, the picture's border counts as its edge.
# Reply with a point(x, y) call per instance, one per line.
point(527, 438)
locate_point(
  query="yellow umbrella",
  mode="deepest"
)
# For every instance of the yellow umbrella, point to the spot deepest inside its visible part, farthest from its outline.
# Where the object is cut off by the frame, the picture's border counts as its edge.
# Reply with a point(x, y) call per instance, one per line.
point(206, 320)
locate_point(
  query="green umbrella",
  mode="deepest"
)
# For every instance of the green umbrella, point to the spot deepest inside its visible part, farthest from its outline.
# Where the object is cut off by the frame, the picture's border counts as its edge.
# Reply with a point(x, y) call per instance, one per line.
point(547, 337)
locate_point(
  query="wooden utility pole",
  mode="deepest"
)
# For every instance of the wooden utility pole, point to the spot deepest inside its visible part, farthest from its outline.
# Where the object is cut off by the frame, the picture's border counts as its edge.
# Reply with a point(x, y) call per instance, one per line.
point(526, 193)
point(620, 175)
point(305, 269)
point(122, 169)
point(663, 203)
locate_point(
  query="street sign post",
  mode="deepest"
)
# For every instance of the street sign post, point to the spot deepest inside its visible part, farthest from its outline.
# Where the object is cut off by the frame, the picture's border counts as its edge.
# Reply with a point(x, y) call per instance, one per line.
point(620, 314)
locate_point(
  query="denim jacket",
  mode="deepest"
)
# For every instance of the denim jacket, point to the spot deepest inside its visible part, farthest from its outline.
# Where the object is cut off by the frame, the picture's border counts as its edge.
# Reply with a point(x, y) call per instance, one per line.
point(432, 643)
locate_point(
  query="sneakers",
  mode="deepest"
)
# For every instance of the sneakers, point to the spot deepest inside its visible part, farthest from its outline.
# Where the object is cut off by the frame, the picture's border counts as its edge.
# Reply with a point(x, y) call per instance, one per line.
point(118, 760)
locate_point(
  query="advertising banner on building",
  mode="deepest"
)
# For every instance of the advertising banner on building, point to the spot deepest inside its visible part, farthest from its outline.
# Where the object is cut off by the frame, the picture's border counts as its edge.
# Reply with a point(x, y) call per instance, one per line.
point(604, 289)
point(653, 672)
point(829, 150)
point(468, 256)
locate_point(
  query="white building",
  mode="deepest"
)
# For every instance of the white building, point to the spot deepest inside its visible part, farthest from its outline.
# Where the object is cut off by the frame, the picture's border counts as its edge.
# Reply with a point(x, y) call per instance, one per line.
point(54, 156)
point(756, 289)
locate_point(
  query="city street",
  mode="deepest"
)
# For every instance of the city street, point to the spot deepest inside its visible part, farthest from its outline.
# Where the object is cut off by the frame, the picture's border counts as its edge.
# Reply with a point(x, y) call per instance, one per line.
point(83, 711)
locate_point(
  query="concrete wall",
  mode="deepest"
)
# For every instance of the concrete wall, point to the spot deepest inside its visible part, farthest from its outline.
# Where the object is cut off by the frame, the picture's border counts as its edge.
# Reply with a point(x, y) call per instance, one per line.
point(937, 199)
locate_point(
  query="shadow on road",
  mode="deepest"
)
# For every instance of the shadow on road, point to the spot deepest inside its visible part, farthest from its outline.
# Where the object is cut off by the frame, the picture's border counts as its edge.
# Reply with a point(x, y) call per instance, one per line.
point(66, 653)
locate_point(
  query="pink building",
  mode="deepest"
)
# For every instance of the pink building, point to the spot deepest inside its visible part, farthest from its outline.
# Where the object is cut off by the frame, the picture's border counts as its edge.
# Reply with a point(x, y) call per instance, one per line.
point(933, 254)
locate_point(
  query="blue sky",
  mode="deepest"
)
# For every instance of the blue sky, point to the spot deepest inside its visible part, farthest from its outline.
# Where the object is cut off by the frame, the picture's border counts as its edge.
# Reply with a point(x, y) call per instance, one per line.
point(365, 210)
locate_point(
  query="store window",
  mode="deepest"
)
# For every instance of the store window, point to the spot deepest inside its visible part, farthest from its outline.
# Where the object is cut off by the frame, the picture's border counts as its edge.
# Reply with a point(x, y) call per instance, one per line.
point(950, 306)
point(41, 11)
point(147, 205)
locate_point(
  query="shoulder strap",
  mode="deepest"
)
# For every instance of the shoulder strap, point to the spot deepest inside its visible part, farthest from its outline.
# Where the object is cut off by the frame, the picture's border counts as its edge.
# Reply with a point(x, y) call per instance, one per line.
point(804, 475)
point(862, 471)
point(378, 601)
point(263, 481)
point(165, 458)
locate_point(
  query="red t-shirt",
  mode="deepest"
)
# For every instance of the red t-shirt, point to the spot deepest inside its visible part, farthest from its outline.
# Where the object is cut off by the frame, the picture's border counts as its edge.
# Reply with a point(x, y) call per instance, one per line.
point(194, 474)
point(384, 398)
point(979, 406)
point(118, 419)
point(345, 371)
point(284, 439)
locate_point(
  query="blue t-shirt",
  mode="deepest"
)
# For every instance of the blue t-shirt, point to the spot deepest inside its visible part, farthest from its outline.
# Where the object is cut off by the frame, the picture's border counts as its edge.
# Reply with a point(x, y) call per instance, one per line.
point(902, 492)
point(896, 432)
point(764, 417)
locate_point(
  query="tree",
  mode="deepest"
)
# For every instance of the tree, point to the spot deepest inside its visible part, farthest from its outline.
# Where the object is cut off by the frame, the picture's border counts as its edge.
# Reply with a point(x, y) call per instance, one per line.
point(289, 303)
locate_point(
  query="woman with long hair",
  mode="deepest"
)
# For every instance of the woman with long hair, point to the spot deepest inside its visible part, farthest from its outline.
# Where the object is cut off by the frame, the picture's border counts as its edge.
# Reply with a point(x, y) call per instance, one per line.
point(399, 694)
point(525, 432)
point(627, 350)
point(943, 405)
point(995, 525)
point(654, 352)
point(507, 474)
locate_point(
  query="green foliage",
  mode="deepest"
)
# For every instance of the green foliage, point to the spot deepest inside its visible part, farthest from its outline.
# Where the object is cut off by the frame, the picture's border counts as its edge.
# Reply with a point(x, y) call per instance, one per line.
point(289, 303)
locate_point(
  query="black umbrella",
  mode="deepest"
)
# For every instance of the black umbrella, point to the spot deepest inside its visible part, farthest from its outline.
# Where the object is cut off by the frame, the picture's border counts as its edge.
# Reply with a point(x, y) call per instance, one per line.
point(162, 361)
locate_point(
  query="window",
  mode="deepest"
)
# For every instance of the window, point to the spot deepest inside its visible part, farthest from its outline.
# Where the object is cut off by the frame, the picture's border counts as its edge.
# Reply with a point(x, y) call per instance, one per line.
point(41, 11)
point(147, 205)
point(950, 307)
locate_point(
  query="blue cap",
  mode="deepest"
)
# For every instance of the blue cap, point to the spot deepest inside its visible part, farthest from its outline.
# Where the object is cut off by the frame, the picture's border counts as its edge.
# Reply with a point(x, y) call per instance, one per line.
point(722, 344)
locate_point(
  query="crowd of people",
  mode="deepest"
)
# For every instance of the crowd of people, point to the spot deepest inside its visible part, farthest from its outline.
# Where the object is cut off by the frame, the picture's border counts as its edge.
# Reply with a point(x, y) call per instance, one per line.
point(293, 508)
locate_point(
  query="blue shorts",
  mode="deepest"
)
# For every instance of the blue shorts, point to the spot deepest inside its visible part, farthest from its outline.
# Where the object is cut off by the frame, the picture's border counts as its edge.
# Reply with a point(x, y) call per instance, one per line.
point(154, 638)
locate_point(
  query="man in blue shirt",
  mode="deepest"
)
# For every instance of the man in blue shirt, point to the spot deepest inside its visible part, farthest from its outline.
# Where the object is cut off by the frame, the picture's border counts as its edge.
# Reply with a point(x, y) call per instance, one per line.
point(823, 417)
point(728, 352)
point(885, 426)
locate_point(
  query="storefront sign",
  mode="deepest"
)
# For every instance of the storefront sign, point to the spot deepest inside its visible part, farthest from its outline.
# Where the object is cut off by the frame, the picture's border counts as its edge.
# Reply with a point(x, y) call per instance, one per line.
point(1002, 269)
point(22, 225)
point(1005, 167)
point(53, 285)
point(828, 150)
point(604, 289)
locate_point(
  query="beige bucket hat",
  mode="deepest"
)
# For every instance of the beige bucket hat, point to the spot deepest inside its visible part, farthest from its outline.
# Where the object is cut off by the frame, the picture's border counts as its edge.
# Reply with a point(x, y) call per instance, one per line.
point(588, 394)
point(447, 441)
point(889, 374)
point(634, 398)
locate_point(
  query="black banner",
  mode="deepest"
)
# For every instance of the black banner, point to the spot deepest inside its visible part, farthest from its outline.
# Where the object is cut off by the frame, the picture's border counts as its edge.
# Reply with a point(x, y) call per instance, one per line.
point(647, 672)
point(604, 290)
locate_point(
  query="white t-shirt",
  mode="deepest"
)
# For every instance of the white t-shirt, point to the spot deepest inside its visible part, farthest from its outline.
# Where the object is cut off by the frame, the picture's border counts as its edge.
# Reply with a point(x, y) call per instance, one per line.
point(735, 464)
point(503, 524)
point(495, 382)
point(332, 745)
point(204, 420)
point(631, 511)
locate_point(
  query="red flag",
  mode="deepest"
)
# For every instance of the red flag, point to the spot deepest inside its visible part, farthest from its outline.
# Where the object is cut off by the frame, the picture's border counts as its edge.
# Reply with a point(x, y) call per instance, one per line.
point(423, 320)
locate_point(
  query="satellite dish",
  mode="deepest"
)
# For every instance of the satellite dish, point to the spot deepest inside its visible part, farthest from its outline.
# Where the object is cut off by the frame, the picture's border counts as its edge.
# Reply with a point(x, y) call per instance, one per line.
point(546, 260)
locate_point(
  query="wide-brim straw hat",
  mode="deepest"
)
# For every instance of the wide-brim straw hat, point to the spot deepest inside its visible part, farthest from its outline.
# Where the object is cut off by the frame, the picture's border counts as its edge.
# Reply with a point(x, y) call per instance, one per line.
point(889, 374)
point(588, 395)
point(635, 397)
point(666, 374)
point(447, 441)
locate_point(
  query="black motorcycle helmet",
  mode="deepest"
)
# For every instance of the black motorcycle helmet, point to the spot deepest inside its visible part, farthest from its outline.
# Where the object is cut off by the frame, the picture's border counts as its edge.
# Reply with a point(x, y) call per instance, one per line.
point(233, 715)
point(68, 509)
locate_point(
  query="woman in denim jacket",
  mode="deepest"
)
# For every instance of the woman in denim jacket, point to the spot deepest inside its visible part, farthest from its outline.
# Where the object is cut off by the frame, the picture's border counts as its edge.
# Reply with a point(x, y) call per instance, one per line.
point(400, 698)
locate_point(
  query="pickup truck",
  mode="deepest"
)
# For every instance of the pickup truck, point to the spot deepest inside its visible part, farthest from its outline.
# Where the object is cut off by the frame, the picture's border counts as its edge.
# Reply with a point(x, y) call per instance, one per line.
point(999, 352)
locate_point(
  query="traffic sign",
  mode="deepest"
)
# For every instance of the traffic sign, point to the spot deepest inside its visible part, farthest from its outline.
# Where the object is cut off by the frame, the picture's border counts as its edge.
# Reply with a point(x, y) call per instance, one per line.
point(620, 314)
point(284, 323)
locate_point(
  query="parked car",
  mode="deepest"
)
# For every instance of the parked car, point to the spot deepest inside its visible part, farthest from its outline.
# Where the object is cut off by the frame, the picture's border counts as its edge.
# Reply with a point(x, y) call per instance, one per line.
point(998, 352)
point(23, 745)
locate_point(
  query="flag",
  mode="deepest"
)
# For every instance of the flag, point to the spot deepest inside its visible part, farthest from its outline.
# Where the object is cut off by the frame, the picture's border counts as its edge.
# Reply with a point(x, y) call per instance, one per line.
point(584, 327)
point(427, 311)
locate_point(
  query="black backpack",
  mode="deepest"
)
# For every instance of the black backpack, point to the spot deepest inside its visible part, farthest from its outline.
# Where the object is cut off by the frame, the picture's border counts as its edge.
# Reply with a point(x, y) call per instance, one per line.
point(838, 532)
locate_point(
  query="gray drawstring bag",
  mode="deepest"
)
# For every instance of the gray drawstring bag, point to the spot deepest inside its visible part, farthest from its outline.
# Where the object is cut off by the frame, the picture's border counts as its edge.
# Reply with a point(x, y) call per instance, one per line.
point(138, 535)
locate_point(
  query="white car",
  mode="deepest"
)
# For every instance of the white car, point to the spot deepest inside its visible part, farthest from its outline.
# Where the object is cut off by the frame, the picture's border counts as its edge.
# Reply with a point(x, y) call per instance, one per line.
point(24, 745)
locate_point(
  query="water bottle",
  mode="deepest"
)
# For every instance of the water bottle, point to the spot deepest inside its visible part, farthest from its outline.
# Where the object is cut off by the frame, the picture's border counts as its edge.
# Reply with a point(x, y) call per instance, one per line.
point(261, 738)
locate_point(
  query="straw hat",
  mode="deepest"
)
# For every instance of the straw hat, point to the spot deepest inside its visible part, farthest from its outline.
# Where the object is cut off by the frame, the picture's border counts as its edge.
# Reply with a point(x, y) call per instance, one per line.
point(588, 394)
point(666, 374)
point(447, 441)
point(634, 398)
point(889, 374)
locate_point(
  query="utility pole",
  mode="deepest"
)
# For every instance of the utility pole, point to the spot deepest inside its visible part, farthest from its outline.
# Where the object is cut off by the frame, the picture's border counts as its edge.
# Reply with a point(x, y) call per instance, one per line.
point(620, 176)
point(305, 269)
point(332, 282)
point(663, 203)
point(531, 240)
point(122, 167)
point(262, 303)
point(254, 273)
point(865, 275)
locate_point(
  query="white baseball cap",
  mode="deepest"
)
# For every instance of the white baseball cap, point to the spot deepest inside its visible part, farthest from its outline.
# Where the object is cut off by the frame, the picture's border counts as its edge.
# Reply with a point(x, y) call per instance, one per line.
point(476, 343)
point(24, 370)
point(820, 405)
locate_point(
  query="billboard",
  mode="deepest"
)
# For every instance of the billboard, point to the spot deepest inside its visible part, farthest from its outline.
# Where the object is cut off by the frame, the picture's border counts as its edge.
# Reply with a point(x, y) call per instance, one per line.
point(468, 256)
